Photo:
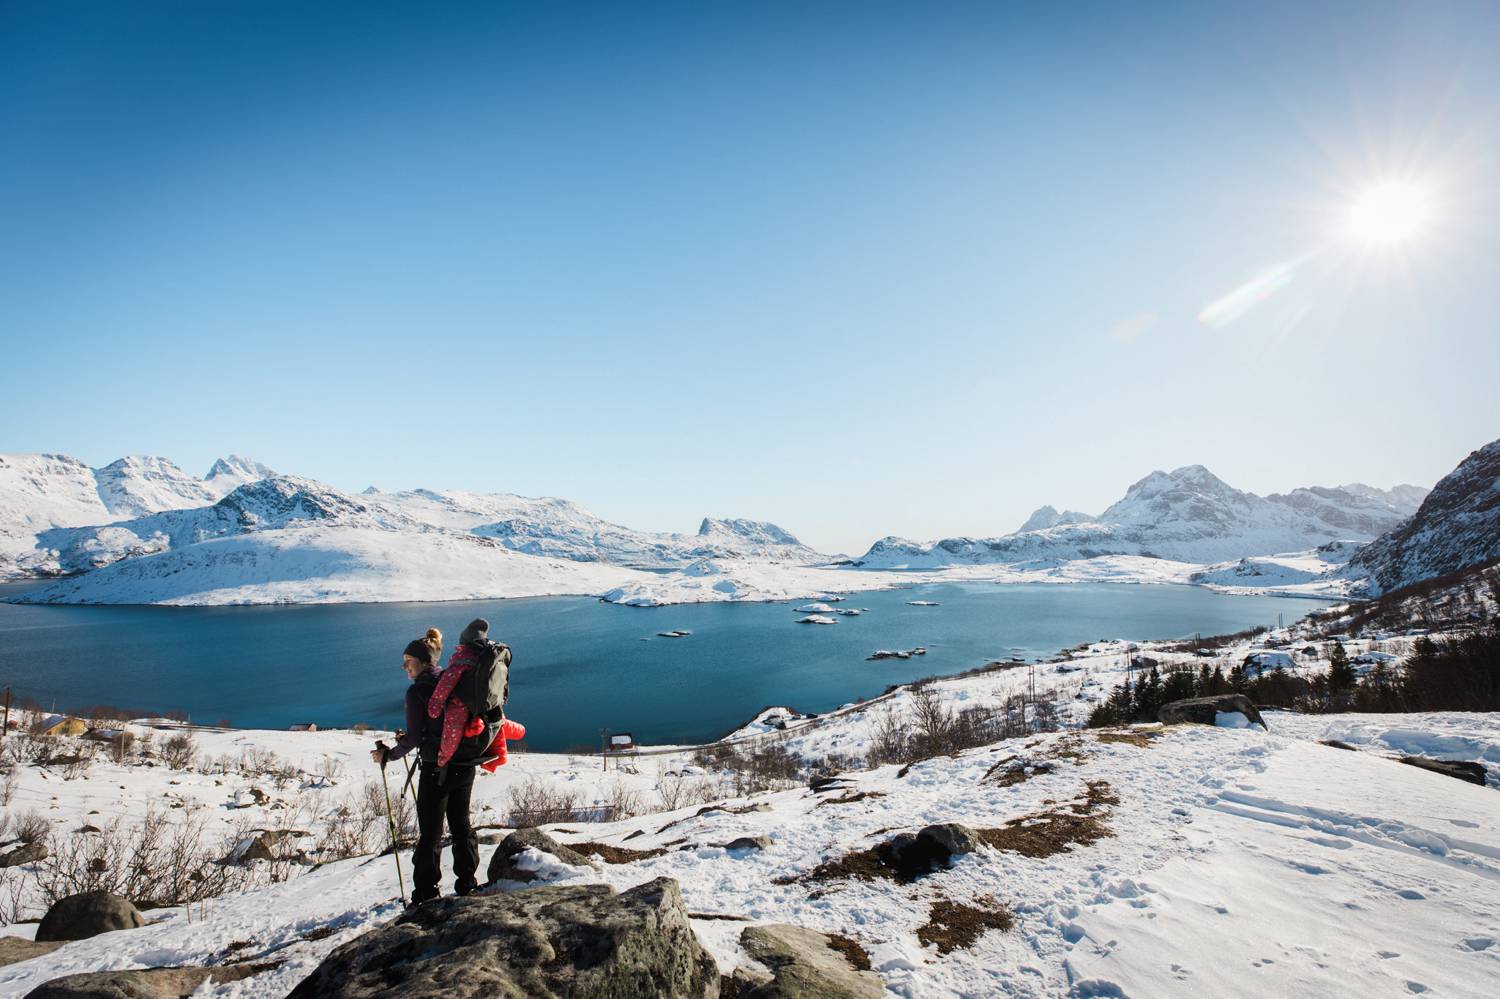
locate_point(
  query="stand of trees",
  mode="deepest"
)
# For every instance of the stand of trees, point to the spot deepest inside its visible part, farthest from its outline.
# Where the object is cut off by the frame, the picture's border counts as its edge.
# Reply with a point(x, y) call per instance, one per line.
point(1451, 674)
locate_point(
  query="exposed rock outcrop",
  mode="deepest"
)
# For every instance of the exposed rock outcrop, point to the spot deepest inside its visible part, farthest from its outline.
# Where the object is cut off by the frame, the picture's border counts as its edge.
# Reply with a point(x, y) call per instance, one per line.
point(1474, 773)
point(149, 983)
point(504, 861)
point(537, 943)
point(800, 963)
point(78, 917)
point(1457, 526)
point(26, 853)
point(1205, 710)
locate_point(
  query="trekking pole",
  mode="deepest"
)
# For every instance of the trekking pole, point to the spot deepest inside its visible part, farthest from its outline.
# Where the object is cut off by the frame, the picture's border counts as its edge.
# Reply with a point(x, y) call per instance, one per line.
point(390, 820)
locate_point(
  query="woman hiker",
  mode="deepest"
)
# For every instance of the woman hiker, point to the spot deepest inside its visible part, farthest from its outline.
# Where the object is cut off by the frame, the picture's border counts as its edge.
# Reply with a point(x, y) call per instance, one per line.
point(440, 791)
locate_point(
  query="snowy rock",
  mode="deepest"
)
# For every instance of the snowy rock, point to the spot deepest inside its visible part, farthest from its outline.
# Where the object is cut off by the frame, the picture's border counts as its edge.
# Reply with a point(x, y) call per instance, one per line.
point(27, 853)
point(549, 941)
point(509, 861)
point(78, 917)
point(802, 964)
point(1472, 772)
point(746, 843)
point(951, 836)
point(817, 619)
point(147, 983)
point(1205, 710)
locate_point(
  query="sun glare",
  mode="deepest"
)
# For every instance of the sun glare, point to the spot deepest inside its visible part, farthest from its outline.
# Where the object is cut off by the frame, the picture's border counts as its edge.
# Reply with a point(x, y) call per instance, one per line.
point(1389, 214)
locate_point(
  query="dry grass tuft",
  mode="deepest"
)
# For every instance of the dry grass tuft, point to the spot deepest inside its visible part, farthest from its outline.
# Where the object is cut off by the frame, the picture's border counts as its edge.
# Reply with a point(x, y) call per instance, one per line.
point(955, 926)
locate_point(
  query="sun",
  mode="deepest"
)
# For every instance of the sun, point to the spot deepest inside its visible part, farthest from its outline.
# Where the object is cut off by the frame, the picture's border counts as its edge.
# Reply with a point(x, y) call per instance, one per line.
point(1389, 214)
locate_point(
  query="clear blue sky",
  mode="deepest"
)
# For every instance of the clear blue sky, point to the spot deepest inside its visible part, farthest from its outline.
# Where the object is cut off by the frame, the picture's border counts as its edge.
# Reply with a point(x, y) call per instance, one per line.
point(858, 269)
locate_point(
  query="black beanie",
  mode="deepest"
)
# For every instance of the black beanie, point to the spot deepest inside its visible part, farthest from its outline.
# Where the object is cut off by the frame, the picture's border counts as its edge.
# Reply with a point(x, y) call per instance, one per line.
point(426, 649)
point(477, 629)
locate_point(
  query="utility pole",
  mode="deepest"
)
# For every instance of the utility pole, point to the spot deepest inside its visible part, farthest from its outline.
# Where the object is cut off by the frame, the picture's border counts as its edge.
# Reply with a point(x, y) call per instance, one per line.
point(5, 729)
point(604, 747)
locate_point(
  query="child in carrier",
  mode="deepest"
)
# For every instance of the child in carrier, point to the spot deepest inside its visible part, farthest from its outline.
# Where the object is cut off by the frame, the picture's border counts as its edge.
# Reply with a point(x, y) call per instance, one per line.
point(456, 720)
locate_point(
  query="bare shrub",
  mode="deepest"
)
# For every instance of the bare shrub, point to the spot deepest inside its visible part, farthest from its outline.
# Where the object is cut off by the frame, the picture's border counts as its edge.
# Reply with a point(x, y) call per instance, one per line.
point(8, 786)
point(121, 745)
point(153, 863)
point(179, 751)
point(538, 802)
point(31, 827)
point(932, 721)
point(889, 741)
point(32, 747)
point(622, 803)
point(78, 764)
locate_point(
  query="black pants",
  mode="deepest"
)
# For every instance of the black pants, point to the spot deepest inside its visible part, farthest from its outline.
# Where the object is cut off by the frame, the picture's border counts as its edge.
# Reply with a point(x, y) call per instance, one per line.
point(434, 800)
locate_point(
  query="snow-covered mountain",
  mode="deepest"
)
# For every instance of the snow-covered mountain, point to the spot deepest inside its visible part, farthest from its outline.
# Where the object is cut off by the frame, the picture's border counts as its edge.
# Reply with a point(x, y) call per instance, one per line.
point(1188, 515)
point(1047, 516)
point(44, 492)
point(1457, 526)
point(229, 473)
point(143, 531)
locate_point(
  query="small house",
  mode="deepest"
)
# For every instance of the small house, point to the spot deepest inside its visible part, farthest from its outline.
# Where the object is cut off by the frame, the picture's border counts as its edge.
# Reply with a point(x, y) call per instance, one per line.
point(61, 725)
point(303, 727)
point(622, 743)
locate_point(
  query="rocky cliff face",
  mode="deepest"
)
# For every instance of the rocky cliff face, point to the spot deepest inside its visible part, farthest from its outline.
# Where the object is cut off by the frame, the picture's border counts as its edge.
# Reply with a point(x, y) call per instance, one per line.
point(1457, 526)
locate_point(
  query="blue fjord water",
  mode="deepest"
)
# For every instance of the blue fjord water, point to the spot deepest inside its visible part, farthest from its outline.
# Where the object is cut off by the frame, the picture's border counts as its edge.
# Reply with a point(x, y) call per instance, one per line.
point(580, 665)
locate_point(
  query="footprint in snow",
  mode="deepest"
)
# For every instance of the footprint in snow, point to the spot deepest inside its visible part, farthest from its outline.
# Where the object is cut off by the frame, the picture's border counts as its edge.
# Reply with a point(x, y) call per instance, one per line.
point(1407, 893)
point(1416, 988)
point(1477, 943)
point(1386, 955)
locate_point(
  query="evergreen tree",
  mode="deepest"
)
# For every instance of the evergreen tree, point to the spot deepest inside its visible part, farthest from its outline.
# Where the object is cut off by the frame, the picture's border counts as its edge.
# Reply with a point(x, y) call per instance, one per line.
point(1341, 677)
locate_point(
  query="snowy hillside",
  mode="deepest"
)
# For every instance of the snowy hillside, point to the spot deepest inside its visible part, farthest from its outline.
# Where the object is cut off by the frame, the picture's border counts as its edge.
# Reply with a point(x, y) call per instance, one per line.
point(1457, 526)
point(288, 539)
point(40, 492)
point(1188, 515)
point(1180, 861)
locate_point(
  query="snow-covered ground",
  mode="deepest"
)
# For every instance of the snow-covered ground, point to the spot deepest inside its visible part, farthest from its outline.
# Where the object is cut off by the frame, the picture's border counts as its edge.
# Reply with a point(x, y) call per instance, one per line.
point(1240, 862)
point(1237, 862)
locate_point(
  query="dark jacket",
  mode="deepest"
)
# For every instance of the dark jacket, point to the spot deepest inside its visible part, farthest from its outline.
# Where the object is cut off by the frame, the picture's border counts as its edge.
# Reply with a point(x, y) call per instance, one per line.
point(422, 733)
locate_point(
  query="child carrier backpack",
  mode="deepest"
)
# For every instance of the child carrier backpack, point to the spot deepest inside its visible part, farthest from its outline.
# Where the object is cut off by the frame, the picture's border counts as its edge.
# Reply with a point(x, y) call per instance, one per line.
point(483, 688)
point(486, 685)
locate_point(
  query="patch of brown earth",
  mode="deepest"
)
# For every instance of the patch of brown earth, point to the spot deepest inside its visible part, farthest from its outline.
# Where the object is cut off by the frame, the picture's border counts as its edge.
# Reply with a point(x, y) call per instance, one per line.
point(955, 926)
point(1044, 834)
point(1041, 834)
point(615, 854)
point(852, 951)
point(850, 798)
point(1134, 737)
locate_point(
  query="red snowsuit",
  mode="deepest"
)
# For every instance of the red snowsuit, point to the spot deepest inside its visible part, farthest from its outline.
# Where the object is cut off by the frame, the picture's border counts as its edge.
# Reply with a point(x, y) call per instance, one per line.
point(508, 730)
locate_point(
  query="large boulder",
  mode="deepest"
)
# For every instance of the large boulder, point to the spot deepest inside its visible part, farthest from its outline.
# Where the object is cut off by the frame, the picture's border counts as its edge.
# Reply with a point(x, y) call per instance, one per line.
point(26, 853)
point(1467, 770)
point(1206, 710)
point(14, 950)
point(89, 914)
point(548, 942)
point(503, 862)
point(149, 983)
point(800, 964)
